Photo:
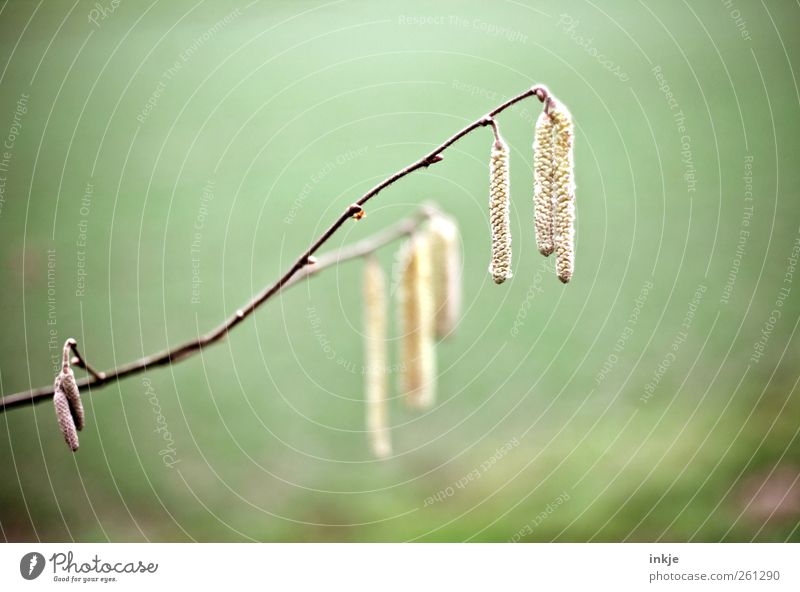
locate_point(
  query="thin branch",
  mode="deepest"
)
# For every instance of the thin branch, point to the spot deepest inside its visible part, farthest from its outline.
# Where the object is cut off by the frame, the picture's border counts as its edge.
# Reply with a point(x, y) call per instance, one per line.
point(302, 268)
point(359, 249)
point(79, 360)
point(364, 247)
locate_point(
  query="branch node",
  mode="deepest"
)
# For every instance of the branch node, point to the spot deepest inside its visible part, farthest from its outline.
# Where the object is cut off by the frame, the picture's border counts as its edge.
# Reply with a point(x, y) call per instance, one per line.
point(356, 211)
point(543, 94)
point(433, 160)
point(240, 314)
point(311, 260)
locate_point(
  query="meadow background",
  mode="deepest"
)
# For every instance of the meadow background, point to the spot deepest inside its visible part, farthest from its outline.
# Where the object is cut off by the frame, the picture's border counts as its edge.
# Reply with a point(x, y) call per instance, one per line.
point(165, 160)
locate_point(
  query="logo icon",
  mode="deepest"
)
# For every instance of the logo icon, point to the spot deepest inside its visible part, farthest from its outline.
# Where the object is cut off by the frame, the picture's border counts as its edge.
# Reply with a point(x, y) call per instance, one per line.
point(31, 565)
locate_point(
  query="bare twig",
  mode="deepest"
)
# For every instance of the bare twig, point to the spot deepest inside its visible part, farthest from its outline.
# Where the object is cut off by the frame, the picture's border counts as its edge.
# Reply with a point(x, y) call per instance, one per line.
point(79, 360)
point(305, 266)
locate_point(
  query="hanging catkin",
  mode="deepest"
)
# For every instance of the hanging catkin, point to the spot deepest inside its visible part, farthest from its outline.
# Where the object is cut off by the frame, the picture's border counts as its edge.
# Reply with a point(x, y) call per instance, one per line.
point(417, 354)
point(499, 212)
point(376, 358)
point(543, 171)
point(446, 259)
point(66, 379)
point(65, 421)
point(564, 194)
point(67, 400)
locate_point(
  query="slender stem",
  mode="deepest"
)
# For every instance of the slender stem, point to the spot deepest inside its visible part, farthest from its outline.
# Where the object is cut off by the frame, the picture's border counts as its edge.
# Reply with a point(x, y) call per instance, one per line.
point(300, 269)
point(495, 130)
point(68, 345)
point(79, 360)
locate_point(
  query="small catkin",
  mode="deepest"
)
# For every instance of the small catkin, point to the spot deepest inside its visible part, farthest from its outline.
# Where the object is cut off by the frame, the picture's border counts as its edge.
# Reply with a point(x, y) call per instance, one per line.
point(376, 358)
point(64, 417)
point(417, 351)
point(499, 212)
point(66, 381)
point(543, 171)
point(564, 194)
point(446, 258)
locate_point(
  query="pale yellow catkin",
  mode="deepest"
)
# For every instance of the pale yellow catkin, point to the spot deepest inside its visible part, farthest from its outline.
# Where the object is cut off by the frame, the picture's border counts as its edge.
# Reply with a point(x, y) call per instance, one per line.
point(64, 418)
point(499, 189)
point(376, 358)
point(417, 348)
point(564, 194)
point(543, 171)
point(445, 246)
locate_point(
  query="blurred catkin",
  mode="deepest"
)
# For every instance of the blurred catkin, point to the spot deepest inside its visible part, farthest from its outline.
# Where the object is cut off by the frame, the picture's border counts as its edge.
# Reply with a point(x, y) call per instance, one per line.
point(417, 352)
point(376, 357)
point(543, 171)
point(564, 193)
point(446, 258)
point(499, 212)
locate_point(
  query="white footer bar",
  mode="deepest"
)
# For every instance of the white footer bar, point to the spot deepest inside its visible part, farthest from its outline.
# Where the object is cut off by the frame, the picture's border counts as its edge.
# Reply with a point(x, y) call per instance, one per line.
point(406, 568)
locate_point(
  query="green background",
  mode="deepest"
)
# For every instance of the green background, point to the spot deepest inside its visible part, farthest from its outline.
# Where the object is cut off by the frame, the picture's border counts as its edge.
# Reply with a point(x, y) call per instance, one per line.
point(291, 110)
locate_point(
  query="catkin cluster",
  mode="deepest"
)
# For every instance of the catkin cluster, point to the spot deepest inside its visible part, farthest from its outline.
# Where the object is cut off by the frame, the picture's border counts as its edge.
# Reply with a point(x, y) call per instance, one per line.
point(499, 212)
point(428, 306)
point(67, 401)
point(553, 192)
point(554, 188)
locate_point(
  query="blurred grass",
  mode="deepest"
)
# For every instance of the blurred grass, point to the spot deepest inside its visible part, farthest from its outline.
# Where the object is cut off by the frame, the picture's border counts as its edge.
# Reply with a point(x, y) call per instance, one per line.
point(293, 110)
